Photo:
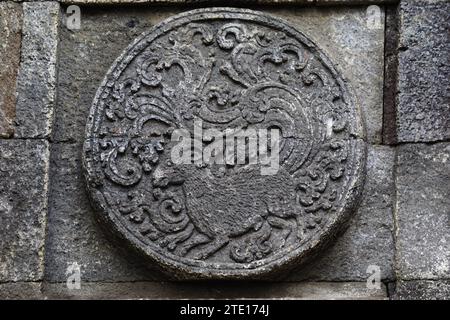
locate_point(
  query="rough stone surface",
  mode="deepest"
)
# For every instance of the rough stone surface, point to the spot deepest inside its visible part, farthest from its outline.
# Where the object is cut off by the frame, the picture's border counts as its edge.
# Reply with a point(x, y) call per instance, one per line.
point(20, 290)
point(367, 241)
point(390, 76)
point(369, 237)
point(73, 234)
point(23, 208)
point(423, 209)
point(245, 71)
point(219, 290)
point(423, 100)
point(423, 290)
point(36, 84)
point(105, 33)
point(10, 33)
point(355, 48)
point(350, 2)
point(234, 2)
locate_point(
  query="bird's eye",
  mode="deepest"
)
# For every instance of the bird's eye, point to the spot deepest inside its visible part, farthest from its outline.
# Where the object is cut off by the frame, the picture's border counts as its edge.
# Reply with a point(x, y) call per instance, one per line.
point(169, 163)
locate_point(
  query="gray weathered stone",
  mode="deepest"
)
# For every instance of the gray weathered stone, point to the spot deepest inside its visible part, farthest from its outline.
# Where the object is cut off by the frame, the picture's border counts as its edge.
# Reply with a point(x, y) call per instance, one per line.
point(234, 2)
point(423, 100)
point(75, 92)
point(422, 290)
point(86, 55)
point(36, 84)
point(423, 209)
point(105, 33)
point(219, 290)
point(73, 235)
point(367, 241)
point(20, 291)
point(346, 2)
point(390, 76)
point(247, 70)
point(10, 33)
point(23, 208)
point(369, 237)
point(355, 48)
point(95, 54)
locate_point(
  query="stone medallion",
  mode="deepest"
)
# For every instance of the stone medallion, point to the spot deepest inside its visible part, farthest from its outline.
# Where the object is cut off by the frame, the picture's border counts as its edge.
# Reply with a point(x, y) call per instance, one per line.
point(226, 69)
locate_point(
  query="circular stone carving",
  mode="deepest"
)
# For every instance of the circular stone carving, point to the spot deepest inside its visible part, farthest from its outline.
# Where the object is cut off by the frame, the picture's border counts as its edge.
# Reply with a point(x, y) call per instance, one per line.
point(229, 68)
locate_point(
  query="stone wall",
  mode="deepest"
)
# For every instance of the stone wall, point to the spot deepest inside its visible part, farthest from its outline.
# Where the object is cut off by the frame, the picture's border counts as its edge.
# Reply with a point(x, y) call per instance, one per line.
point(398, 72)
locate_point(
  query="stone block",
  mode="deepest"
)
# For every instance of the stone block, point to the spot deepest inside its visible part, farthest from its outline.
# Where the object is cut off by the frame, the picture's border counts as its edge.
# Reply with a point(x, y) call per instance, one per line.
point(217, 290)
point(423, 209)
point(20, 291)
point(74, 236)
point(103, 35)
point(86, 55)
point(369, 237)
point(233, 2)
point(10, 33)
point(423, 99)
point(36, 84)
point(23, 208)
point(423, 290)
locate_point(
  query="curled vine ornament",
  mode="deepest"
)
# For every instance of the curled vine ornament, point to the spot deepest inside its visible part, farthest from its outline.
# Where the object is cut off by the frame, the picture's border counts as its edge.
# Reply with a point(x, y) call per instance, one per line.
point(230, 69)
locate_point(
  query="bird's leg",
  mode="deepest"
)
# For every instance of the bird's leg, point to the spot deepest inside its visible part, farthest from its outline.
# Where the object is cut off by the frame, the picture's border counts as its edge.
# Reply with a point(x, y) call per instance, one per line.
point(150, 231)
point(193, 242)
point(174, 239)
point(211, 248)
point(279, 223)
point(300, 226)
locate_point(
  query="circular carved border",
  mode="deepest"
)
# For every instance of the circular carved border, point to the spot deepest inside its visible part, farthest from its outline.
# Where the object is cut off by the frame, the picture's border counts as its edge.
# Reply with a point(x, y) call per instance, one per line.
point(199, 269)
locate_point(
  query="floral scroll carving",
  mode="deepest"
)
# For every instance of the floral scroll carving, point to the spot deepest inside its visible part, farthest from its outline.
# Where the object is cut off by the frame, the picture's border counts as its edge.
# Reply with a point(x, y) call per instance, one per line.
point(231, 68)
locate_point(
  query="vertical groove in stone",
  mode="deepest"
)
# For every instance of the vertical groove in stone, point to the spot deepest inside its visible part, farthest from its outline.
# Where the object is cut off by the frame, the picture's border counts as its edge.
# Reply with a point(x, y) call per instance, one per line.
point(390, 76)
point(395, 214)
point(36, 85)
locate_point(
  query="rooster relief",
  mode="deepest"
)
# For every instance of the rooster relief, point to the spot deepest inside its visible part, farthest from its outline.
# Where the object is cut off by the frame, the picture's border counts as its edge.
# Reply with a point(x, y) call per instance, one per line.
point(229, 74)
